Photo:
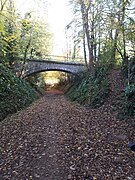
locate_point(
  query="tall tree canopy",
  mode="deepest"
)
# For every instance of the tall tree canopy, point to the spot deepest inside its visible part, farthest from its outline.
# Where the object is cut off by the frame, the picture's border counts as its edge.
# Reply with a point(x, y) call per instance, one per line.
point(27, 37)
point(107, 28)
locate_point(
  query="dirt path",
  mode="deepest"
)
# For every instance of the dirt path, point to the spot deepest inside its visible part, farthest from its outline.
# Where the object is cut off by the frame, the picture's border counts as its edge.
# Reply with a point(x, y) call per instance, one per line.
point(55, 139)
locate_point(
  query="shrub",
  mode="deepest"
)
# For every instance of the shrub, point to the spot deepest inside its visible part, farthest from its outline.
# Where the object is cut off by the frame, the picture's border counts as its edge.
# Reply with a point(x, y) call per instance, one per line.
point(15, 93)
point(127, 99)
point(127, 102)
point(92, 90)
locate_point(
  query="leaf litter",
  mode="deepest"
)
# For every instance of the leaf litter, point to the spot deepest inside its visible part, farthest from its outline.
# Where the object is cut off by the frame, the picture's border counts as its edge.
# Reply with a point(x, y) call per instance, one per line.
point(55, 139)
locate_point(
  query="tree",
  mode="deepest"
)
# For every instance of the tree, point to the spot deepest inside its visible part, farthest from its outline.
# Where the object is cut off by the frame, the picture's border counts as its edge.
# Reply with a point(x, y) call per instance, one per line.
point(105, 29)
point(9, 32)
point(35, 39)
point(87, 31)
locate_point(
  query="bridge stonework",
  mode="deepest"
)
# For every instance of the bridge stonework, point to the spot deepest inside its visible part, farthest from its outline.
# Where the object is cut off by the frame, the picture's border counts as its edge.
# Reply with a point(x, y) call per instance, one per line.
point(36, 66)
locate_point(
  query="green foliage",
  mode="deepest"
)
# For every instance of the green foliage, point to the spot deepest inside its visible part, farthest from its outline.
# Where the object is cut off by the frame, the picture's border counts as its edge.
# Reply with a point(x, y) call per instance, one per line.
point(127, 99)
point(132, 70)
point(129, 70)
point(26, 37)
point(9, 34)
point(35, 37)
point(15, 93)
point(92, 90)
point(127, 102)
point(106, 53)
point(37, 81)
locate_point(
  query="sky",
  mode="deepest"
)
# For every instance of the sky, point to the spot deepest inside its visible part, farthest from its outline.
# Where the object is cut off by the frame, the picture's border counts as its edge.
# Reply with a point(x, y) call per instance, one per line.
point(59, 17)
point(57, 13)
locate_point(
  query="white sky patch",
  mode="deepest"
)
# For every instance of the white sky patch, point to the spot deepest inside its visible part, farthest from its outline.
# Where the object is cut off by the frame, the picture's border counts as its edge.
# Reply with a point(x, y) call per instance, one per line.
point(58, 16)
point(24, 6)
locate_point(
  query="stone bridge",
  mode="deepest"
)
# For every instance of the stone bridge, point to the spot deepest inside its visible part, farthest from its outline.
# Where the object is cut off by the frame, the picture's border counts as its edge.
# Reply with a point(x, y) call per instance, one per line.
point(36, 66)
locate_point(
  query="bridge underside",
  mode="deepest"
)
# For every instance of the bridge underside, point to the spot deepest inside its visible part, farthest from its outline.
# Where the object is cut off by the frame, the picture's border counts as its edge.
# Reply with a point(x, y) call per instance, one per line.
point(27, 74)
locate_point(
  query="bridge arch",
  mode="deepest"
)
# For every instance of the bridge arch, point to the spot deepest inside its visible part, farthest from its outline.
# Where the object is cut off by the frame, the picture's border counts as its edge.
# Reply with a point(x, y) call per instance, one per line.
point(37, 66)
point(46, 70)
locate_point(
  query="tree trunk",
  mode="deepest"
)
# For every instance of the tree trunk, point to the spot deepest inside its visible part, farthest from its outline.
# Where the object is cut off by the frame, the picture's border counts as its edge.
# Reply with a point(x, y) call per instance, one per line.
point(84, 49)
point(92, 40)
point(2, 5)
point(25, 56)
point(99, 43)
point(125, 59)
point(84, 12)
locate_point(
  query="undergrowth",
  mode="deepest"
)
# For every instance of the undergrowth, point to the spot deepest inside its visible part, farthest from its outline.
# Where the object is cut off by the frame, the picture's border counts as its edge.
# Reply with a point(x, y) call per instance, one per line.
point(127, 99)
point(15, 93)
point(92, 90)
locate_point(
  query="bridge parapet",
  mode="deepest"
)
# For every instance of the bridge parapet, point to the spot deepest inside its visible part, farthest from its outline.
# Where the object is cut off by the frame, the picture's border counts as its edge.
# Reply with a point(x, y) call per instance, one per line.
point(64, 58)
